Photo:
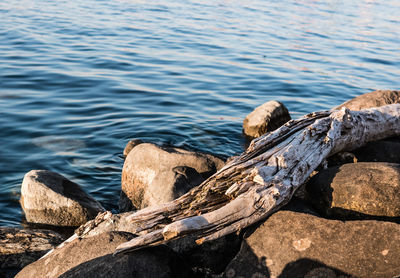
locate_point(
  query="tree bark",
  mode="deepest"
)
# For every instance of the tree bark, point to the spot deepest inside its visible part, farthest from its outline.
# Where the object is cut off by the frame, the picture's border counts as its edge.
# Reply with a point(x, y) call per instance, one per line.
point(255, 184)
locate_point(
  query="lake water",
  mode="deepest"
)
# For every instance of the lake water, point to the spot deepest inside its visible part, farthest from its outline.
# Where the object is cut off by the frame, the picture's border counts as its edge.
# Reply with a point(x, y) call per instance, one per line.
point(78, 79)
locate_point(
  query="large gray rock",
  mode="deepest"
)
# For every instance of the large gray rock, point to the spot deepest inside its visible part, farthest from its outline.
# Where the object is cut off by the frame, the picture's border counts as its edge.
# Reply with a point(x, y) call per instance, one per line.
point(372, 99)
point(357, 190)
point(266, 117)
point(49, 198)
point(92, 257)
point(19, 247)
point(293, 244)
point(154, 175)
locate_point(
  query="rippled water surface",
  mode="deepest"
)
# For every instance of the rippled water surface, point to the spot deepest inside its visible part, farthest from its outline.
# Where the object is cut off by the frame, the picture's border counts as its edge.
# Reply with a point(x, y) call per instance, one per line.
point(78, 79)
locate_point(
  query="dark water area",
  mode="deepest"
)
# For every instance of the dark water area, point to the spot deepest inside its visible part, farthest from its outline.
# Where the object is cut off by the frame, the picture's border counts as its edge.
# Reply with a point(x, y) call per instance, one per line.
point(78, 79)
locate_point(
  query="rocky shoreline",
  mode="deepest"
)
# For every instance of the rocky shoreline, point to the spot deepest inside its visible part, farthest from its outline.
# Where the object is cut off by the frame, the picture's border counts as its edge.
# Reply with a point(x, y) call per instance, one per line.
point(344, 222)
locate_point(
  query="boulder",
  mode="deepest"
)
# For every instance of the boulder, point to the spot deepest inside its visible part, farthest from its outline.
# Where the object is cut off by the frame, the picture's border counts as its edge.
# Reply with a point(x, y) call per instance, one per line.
point(294, 244)
point(372, 99)
point(19, 247)
point(266, 117)
point(49, 198)
point(130, 145)
point(93, 257)
point(154, 175)
point(357, 190)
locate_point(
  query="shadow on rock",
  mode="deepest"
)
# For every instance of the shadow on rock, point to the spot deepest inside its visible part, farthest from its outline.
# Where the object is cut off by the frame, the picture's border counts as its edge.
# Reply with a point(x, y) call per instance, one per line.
point(150, 262)
point(307, 268)
point(249, 265)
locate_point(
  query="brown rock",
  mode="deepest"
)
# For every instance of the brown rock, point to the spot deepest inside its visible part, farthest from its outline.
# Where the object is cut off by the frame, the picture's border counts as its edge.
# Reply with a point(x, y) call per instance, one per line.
point(293, 244)
point(357, 190)
point(49, 198)
point(92, 257)
point(266, 117)
point(154, 175)
point(19, 247)
point(372, 99)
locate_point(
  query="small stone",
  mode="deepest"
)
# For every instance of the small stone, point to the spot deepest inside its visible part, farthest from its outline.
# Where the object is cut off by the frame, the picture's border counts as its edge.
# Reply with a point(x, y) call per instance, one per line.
point(266, 117)
point(50, 198)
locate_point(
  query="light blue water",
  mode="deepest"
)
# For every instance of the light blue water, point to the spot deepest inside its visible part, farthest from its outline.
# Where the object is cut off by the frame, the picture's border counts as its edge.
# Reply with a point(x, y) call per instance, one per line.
point(78, 79)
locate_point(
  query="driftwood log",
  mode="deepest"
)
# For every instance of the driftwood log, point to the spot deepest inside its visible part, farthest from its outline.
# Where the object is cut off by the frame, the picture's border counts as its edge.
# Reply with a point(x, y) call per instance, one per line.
point(256, 183)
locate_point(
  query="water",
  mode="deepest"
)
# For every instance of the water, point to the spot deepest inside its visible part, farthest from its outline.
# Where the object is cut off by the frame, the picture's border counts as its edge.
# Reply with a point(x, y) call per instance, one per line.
point(78, 79)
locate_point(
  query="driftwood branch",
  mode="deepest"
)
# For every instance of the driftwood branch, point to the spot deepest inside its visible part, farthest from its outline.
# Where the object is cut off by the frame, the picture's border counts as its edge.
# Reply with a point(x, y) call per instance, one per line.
point(255, 184)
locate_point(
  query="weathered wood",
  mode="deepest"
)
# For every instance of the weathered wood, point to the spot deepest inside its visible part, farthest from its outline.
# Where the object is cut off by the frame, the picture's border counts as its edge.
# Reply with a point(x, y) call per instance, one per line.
point(20, 247)
point(255, 184)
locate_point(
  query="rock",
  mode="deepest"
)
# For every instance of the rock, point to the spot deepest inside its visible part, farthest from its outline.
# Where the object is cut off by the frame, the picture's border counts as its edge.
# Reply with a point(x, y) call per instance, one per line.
point(49, 198)
point(293, 244)
point(19, 247)
point(372, 99)
point(267, 117)
point(357, 190)
point(379, 151)
point(92, 257)
point(154, 175)
point(130, 145)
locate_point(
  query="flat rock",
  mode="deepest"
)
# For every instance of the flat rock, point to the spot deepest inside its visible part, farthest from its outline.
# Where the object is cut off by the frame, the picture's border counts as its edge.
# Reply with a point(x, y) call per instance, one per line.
point(92, 257)
point(154, 175)
point(266, 117)
point(49, 198)
point(293, 244)
point(357, 190)
point(20, 247)
point(371, 99)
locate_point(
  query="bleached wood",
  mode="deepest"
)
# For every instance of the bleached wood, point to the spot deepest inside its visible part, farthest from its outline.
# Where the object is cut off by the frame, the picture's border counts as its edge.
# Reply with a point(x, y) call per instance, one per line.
point(256, 183)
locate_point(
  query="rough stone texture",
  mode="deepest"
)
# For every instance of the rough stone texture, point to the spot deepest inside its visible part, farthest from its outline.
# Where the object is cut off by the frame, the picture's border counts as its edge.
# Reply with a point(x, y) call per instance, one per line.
point(154, 175)
point(130, 145)
point(92, 257)
point(372, 99)
point(19, 247)
point(293, 244)
point(49, 198)
point(357, 190)
point(266, 117)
